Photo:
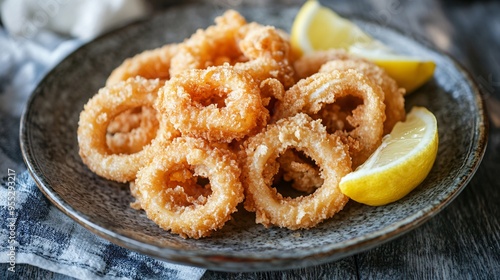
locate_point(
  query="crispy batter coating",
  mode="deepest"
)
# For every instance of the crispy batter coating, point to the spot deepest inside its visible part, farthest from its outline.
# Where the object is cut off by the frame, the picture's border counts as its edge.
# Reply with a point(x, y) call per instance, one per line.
point(219, 103)
point(312, 94)
point(165, 187)
point(131, 130)
point(150, 64)
point(310, 137)
point(95, 118)
point(393, 95)
point(262, 51)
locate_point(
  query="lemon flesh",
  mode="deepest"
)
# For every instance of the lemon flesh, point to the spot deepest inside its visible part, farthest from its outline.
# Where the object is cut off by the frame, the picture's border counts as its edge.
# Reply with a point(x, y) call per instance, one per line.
point(410, 73)
point(319, 28)
point(399, 165)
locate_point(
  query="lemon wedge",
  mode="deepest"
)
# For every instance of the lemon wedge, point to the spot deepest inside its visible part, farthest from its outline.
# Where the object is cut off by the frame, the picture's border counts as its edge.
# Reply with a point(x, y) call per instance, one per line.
point(319, 28)
point(401, 163)
point(409, 72)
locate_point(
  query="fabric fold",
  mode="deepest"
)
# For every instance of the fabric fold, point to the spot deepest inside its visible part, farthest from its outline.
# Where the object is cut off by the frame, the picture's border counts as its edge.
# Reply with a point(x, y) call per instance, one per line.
point(45, 237)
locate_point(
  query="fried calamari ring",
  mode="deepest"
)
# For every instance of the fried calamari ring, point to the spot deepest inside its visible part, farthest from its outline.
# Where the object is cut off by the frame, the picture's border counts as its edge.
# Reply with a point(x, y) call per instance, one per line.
point(169, 204)
point(99, 111)
point(310, 137)
point(150, 64)
point(212, 46)
point(316, 92)
point(183, 184)
point(393, 95)
point(268, 52)
point(134, 128)
point(218, 104)
point(131, 130)
point(271, 90)
point(261, 51)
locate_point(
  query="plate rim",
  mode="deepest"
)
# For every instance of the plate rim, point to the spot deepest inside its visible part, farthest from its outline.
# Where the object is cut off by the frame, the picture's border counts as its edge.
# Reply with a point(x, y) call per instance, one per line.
point(239, 261)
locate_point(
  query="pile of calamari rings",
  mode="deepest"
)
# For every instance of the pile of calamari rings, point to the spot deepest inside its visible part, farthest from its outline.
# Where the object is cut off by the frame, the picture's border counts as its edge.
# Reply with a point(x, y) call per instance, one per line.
point(230, 116)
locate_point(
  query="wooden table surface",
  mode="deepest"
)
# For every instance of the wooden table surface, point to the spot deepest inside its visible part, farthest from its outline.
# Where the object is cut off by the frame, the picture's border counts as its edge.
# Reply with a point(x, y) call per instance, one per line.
point(463, 240)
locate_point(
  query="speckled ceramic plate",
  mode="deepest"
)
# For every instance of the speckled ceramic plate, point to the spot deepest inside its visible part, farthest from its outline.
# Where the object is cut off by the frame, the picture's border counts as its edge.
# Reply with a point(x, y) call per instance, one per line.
point(49, 144)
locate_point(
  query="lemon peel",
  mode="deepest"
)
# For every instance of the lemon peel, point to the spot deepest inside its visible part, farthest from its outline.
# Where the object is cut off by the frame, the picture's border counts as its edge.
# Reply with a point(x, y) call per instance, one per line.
point(399, 165)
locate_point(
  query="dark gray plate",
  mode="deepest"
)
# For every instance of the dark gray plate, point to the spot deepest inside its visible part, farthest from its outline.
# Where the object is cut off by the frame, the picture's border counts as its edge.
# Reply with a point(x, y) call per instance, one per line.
point(50, 149)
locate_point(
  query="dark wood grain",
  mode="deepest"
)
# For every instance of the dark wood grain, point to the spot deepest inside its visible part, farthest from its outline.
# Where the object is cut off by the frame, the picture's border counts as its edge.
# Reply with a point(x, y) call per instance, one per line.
point(343, 269)
point(462, 241)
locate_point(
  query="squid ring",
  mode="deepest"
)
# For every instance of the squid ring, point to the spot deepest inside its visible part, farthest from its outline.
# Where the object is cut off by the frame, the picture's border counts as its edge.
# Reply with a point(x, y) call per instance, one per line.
point(159, 193)
point(393, 95)
point(268, 52)
point(262, 150)
point(134, 128)
point(212, 46)
point(312, 94)
point(150, 64)
point(97, 114)
point(218, 104)
point(261, 51)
